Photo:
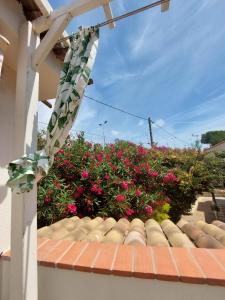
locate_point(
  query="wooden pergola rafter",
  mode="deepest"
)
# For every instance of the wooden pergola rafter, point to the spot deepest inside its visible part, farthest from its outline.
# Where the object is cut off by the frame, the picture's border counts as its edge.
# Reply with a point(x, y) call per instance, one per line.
point(31, 53)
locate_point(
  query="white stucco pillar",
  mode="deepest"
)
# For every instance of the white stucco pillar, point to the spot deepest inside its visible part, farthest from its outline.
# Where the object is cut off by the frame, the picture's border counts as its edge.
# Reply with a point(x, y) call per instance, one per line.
point(7, 96)
point(23, 272)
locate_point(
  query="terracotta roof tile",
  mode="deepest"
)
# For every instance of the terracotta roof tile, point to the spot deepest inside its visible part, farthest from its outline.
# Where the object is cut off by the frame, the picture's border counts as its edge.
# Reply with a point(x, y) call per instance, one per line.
point(164, 264)
point(214, 271)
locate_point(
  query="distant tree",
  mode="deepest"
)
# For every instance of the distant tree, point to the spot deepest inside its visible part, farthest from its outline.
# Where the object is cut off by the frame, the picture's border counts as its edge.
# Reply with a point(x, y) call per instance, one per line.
point(213, 137)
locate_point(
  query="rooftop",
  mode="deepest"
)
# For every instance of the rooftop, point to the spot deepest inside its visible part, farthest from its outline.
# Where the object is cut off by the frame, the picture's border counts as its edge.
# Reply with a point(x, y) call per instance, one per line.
point(145, 250)
point(184, 234)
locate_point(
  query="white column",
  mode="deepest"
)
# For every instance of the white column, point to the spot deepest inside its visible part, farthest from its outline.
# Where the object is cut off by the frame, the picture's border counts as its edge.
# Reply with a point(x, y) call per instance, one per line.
point(23, 272)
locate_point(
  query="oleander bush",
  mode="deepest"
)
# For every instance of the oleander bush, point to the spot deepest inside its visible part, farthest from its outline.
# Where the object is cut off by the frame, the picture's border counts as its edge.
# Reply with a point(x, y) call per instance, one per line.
point(124, 180)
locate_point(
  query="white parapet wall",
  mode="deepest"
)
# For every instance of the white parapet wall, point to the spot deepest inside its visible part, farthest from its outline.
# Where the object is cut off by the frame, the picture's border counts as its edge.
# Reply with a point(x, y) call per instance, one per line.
point(58, 284)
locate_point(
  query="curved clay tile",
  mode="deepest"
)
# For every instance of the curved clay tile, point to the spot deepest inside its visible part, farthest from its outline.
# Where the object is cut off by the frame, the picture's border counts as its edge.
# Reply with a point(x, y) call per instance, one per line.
point(155, 236)
point(98, 233)
point(213, 230)
point(219, 224)
point(136, 235)
point(200, 238)
point(175, 236)
point(118, 233)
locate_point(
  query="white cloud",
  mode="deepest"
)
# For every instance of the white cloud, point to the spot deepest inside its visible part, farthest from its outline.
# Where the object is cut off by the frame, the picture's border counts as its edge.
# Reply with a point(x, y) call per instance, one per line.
point(113, 77)
point(159, 122)
point(141, 123)
point(115, 132)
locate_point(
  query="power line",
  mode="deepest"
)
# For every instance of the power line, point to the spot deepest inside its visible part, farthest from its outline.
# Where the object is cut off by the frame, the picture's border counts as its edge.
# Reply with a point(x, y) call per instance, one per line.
point(133, 115)
point(171, 134)
point(128, 113)
point(116, 108)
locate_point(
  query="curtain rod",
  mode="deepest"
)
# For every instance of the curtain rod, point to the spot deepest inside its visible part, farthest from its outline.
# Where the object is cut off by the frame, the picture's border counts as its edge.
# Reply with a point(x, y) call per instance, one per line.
point(131, 13)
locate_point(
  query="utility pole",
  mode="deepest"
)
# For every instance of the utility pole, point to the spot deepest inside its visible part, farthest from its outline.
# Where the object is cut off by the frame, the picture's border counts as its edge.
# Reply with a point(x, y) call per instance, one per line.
point(103, 130)
point(150, 131)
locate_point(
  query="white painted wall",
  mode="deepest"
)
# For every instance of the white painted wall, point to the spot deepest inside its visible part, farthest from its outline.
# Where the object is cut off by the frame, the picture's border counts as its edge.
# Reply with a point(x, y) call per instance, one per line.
point(7, 98)
point(4, 280)
point(57, 284)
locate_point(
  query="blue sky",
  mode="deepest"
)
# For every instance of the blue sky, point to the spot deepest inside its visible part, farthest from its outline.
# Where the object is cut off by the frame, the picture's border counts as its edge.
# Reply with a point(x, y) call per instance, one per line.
point(169, 66)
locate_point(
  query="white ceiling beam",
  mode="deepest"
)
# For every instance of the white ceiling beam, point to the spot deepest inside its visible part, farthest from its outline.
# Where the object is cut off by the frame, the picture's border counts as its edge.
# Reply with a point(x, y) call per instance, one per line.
point(4, 43)
point(165, 6)
point(108, 14)
point(75, 9)
point(44, 7)
point(49, 40)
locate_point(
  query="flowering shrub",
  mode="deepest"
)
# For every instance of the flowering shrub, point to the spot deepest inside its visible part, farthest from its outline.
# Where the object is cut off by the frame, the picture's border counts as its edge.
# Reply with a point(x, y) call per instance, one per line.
point(121, 180)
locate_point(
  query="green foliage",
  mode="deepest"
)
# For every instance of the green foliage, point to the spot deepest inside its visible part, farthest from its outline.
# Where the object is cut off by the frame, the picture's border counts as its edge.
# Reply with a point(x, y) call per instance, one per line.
point(125, 180)
point(213, 137)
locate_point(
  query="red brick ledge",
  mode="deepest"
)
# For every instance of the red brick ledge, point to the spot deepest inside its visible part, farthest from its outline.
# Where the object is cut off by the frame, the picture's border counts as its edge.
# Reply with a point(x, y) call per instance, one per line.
point(191, 265)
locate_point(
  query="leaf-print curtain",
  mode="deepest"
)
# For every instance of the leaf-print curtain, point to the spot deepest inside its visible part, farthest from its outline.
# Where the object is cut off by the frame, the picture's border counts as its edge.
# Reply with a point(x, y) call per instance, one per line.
point(74, 78)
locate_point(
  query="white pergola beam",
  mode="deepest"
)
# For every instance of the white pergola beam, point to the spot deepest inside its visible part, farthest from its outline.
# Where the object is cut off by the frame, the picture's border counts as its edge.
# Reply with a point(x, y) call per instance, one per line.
point(75, 9)
point(165, 6)
point(108, 14)
point(49, 40)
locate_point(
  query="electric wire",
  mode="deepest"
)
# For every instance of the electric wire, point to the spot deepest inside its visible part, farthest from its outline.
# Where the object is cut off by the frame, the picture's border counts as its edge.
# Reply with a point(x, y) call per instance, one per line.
point(136, 116)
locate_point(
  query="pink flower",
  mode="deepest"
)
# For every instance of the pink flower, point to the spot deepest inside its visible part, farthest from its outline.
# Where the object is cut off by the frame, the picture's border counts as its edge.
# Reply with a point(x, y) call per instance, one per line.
point(106, 177)
point(119, 154)
point(149, 210)
point(124, 185)
point(153, 173)
point(67, 163)
point(169, 178)
point(99, 157)
point(129, 212)
point(47, 200)
point(95, 189)
point(141, 150)
point(87, 154)
point(127, 162)
point(108, 157)
point(138, 193)
point(137, 170)
point(80, 189)
point(72, 208)
point(61, 151)
point(120, 198)
point(85, 174)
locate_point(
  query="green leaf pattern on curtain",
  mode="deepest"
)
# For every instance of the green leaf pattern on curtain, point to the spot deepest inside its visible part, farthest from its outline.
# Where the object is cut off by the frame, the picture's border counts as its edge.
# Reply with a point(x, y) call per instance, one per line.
point(74, 78)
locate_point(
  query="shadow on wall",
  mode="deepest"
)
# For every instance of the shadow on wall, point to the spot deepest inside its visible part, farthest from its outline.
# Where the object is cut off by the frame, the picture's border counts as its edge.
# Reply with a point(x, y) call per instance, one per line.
point(3, 193)
point(206, 208)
